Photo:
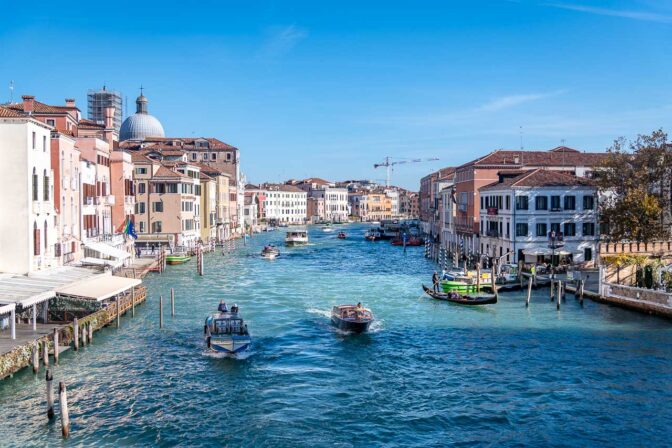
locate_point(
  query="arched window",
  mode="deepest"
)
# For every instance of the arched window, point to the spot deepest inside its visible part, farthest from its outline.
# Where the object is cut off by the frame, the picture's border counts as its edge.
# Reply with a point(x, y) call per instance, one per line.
point(35, 186)
point(45, 236)
point(36, 239)
point(46, 186)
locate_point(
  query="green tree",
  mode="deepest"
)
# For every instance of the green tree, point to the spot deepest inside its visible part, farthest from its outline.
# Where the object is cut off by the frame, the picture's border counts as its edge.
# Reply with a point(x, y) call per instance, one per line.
point(636, 179)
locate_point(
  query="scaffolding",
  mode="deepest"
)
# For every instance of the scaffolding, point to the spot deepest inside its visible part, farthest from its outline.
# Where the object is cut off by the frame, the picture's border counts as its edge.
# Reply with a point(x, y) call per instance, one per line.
point(98, 100)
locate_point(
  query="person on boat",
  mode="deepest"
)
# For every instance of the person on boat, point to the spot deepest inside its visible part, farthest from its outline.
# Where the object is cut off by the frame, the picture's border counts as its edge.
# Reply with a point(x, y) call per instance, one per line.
point(435, 281)
point(359, 307)
point(222, 307)
point(234, 308)
point(533, 270)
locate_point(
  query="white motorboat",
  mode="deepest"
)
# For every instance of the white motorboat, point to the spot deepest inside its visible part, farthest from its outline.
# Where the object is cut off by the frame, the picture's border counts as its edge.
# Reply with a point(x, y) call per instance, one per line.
point(296, 237)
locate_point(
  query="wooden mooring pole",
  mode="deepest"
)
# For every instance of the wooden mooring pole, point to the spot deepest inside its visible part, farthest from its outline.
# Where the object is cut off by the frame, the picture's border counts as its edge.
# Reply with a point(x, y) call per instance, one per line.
point(56, 346)
point(83, 335)
point(75, 326)
point(133, 302)
point(581, 286)
point(529, 292)
point(172, 302)
point(45, 352)
point(493, 278)
point(65, 416)
point(160, 311)
point(50, 395)
point(36, 357)
point(90, 328)
point(118, 311)
point(559, 291)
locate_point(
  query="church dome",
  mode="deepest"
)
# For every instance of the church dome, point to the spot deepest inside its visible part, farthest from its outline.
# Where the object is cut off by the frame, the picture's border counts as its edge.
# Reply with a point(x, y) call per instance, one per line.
point(141, 124)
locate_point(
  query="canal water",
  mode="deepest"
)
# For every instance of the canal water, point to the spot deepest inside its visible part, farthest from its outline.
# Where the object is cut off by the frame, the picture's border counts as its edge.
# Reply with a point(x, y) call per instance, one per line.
point(429, 374)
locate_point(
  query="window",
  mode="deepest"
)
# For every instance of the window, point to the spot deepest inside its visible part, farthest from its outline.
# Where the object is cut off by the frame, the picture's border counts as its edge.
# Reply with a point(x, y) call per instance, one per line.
point(228, 156)
point(508, 202)
point(157, 206)
point(34, 146)
point(555, 202)
point(141, 187)
point(570, 229)
point(142, 227)
point(45, 236)
point(44, 143)
point(570, 202)
point(35, 185)
point(139, 208)
point(508, 228)
point(588, 202)
point(588, 229)
point(522, 203)
point(205, 156)
point(542, 229)
point(194, 156)
point(36, 239)
point(141, 171)
point(555, 227)
point(213, 156)
point(521, 229)
point(588, 254)
point(156, 226)
point(51, 122)
point(541, 203)
point(482, 208)
point(45, 186)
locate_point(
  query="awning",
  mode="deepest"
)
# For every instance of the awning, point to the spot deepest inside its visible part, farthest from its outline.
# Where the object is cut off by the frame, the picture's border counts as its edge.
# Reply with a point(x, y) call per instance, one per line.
point(28, 290)
point(100, 288)
point(100, 262)
point(6, 309)
point(108, 250)
point(538, 251)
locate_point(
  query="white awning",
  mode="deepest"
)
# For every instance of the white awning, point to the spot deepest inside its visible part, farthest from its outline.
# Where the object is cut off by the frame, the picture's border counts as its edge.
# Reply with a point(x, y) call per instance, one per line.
point(100, 288)
point(39, 286)
point(108, 250)
point(6, 309)
point(100, 262)
point(538, 251)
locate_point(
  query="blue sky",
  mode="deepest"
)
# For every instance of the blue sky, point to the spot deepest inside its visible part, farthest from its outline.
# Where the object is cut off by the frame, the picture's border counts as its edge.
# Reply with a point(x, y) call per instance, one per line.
point(330, 88)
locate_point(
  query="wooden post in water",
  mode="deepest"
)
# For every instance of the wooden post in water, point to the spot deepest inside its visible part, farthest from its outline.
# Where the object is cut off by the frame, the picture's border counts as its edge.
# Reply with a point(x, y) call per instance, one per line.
point(493, 278)
point(45, 352)
point(75, 326)
point(581, 285)
point(36, 357)
point(478, 278)
point(50, 395)
point(552, 289)
point(55, 345)
point(90, 328)
point(529, 292)
point(558, 293)
point(160, 311)
point(172, 302)
point(118, 311)
point(83, 335)
point(65, 416)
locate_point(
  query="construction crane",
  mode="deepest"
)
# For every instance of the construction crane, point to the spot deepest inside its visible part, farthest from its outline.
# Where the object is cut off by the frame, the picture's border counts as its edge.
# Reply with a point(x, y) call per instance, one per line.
point(388, 165)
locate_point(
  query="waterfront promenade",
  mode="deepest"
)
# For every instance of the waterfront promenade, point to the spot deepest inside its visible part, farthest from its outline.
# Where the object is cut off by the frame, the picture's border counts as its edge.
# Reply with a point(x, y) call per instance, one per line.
point(429, 374)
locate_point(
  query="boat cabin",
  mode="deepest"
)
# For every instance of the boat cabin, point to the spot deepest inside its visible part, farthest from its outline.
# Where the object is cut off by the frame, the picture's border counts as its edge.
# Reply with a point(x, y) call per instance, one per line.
point(226, 325)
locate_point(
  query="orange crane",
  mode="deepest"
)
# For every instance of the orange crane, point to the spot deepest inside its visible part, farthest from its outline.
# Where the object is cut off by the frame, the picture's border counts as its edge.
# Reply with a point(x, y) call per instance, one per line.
point(389, 164)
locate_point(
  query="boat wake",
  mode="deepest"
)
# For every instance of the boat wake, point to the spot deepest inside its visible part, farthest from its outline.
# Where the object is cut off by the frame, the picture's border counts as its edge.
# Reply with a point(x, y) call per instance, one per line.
point(239, 356)
point(319, 312)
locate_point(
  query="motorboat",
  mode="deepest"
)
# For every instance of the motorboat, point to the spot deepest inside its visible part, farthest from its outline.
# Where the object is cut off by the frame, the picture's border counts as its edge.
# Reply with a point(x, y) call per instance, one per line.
point(462, 299)
point(226, 332)
point(296, 237)
point(270, 252)
point(177, 258)
point(352, 318)
point(372, 234)
point(463, 283)
point(341, 235)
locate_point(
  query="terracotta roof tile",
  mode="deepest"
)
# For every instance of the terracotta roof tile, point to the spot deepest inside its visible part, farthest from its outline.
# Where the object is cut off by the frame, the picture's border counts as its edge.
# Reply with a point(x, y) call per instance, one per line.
point(560, 156)
point(6, 112)
point(540, 178)
point(42, 108)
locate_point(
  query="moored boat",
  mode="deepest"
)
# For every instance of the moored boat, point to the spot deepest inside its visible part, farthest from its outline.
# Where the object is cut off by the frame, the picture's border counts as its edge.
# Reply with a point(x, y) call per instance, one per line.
point(177, 258)
point(341, 235)
point(410, 241)
point(353, 318)
point(372, 234)
point(461, 299)
point(226, 332)
point(296, 237)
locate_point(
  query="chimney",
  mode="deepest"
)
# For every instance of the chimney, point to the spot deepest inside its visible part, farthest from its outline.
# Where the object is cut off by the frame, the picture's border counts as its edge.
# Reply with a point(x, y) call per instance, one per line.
point(109, 117)
point(70, 102)
point(28, 103)
point(516, 159)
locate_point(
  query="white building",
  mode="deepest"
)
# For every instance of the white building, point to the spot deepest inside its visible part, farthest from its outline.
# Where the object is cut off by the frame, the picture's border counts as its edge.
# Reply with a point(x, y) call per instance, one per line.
point(336, 206)
point(28, 230)
point(520, 212)
point(393, 194)
point(283, 203)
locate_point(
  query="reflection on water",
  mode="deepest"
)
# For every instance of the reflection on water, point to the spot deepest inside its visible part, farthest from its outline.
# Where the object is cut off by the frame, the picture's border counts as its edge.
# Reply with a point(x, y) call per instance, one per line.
point(430, 373)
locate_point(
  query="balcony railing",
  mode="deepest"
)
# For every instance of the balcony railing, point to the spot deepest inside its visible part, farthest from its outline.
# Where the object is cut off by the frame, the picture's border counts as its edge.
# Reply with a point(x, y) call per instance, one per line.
point(493, 211)
point(493, 233)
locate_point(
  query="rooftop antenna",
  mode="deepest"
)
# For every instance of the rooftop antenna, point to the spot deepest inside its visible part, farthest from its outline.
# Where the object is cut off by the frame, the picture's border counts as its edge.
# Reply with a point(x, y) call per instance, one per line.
point(521, 138)
point(11, 92)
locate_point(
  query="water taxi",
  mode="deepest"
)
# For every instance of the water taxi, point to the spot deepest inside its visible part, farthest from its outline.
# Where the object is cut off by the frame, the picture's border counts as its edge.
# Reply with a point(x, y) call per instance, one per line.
point(226, 332)
point(270, 252)
point(353, 318)
point(341, 235)
point(177, 258)
point(296, 237)
point(372, 234)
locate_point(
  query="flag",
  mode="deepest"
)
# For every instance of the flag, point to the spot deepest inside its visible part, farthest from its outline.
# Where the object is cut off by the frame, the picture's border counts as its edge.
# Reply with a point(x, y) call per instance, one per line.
point(129, 229)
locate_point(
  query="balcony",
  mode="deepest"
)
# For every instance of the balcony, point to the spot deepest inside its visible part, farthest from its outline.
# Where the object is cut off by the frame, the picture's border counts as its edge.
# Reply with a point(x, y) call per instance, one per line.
point(110, 199)
point(42, 207)
point(493, 211)
point(493, 233)
point(555, 209)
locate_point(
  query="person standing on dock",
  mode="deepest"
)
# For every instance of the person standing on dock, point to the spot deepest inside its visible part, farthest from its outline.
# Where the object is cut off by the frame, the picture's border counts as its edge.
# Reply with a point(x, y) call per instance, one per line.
point(435, 281)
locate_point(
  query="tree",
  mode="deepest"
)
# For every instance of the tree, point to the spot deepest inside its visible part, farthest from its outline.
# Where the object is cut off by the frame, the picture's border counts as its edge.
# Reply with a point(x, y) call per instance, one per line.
point(636, 182)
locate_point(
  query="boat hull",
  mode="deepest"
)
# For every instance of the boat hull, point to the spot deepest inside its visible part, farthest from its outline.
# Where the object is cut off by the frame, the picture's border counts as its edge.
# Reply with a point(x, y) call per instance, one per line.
point(460, 299)
point(173, 260)
point(351, 326)
point(449, 286)
point(230, 345)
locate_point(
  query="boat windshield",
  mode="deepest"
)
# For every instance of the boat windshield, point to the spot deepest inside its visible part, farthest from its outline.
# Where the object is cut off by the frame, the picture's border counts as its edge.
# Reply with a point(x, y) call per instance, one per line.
point(353, 313)
point(228, 326)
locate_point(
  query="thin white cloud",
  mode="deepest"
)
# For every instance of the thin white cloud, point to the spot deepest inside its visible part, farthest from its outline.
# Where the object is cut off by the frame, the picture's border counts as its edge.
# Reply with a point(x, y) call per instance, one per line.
point(282, 40)
point(506, 102)
point(623, 13)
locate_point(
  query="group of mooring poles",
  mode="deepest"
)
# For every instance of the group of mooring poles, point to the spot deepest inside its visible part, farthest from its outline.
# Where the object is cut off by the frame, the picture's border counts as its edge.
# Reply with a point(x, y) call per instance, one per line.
point(172, 306)
point(62, 401)
point(558, 290)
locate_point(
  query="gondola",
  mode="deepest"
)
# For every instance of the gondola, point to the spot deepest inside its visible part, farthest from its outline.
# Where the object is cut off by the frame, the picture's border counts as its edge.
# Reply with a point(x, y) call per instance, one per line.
point(460, 298)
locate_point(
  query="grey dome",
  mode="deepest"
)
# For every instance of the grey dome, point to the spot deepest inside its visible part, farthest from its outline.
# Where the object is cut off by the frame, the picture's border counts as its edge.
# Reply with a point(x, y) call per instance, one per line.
point(141, 124)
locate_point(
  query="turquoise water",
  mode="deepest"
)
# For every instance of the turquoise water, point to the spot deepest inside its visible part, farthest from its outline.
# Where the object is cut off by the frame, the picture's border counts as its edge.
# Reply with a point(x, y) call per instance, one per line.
point(429, 374)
